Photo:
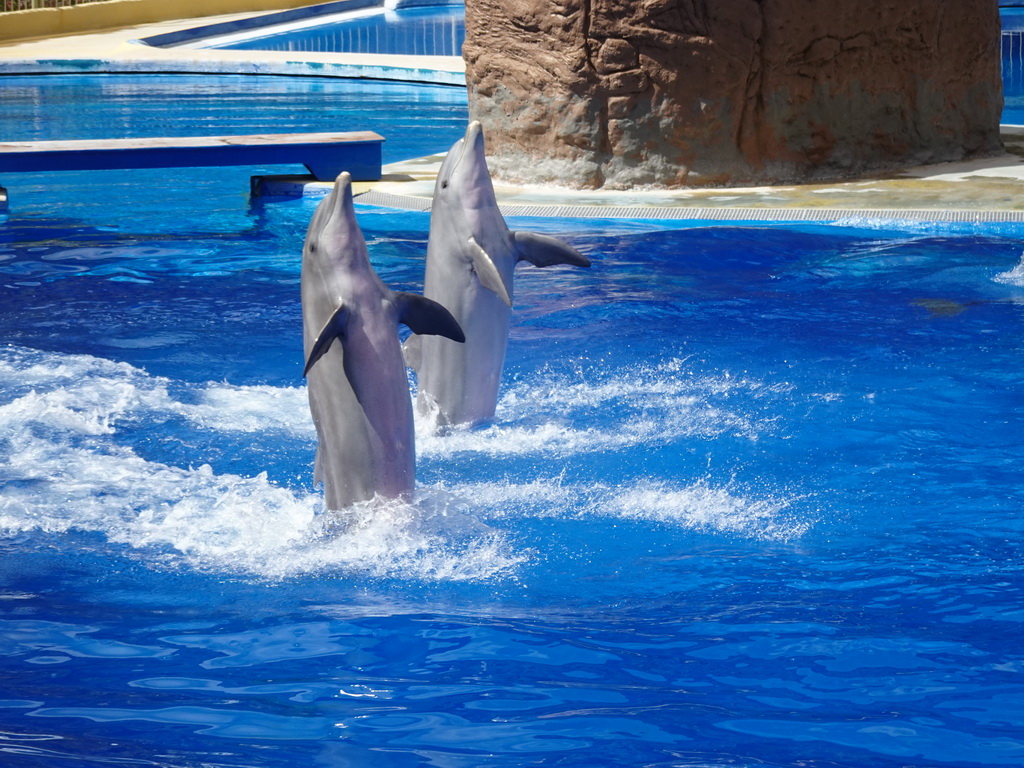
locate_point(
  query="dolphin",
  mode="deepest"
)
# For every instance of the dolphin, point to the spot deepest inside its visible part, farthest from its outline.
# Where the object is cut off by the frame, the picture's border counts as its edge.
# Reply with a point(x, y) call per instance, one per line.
point(471, 255)
point(358, 388)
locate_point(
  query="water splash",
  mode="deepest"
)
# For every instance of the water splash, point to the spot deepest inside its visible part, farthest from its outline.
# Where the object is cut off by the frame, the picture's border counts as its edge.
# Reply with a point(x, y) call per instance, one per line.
point(700, 506)
point(75, 432)
point(1013, 276)
point(67, 469)
point(557, 415)
point(705, 507)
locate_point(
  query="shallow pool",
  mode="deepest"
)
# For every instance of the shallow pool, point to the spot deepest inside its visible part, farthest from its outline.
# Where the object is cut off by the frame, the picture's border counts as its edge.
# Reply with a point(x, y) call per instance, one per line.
point(415, 119)
point(752, 498)
point(430, 31)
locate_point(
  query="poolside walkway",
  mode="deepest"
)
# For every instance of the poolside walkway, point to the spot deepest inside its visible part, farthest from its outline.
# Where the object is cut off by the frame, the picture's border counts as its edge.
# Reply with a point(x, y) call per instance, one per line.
point(990, 189)
point(119, 51)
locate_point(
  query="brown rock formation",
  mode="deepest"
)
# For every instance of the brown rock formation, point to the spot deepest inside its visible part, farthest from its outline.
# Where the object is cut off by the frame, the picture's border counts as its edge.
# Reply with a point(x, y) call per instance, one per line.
point(617, 93)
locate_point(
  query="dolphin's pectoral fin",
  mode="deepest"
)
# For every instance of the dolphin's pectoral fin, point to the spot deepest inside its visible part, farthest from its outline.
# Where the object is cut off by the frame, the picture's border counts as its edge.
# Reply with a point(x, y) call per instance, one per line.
point(333, 328)
point(412, 350)
point(489, 275)
point(545, 251)
point(425, 316)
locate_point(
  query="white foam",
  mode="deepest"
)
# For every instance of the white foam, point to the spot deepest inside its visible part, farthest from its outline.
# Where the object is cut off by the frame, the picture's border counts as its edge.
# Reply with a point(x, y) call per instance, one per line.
point(89, 394)
point(196, 517)
point(645, 406)
point(65, 471)
point(702, 506)
point(257, 408)
point(541, 497)
point(67, 468)
point(1013, 276)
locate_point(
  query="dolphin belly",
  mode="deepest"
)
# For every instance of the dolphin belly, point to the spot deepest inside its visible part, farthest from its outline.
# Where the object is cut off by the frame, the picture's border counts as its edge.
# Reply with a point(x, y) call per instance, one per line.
point(343, 464)
point(458, 383)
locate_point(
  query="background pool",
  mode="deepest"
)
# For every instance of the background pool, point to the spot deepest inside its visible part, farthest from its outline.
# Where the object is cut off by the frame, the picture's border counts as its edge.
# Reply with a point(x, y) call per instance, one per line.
point(415, 119)
point(431, 31)
point(1012, 43)
point(441, 31)
point(752, 498)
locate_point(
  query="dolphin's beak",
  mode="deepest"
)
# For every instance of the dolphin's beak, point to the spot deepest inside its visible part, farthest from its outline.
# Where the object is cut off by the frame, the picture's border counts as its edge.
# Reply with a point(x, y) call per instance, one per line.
point(341, 195)
point(342, 188)
point(335, 216)
point(474, 134)
point(474, 139)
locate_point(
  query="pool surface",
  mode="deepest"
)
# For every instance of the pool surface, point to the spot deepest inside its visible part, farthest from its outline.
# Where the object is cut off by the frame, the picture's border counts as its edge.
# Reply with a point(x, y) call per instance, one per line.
point(1012, 45)
point(414, 119)
point(752, 496)
point(430, 31)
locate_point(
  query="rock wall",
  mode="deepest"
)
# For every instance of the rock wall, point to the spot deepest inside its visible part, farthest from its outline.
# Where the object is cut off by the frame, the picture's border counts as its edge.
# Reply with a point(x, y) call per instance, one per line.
point(618, 93)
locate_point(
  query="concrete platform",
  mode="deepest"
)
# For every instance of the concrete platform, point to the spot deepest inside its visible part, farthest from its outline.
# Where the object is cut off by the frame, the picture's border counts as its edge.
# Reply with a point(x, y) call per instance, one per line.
point(989, 189)
point(325, 155)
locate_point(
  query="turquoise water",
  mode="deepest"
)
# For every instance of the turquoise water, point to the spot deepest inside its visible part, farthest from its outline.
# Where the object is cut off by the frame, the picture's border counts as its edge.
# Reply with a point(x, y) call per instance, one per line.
point(414, 119)
point(752, 498)
point(431, 31)
point(1012, 43)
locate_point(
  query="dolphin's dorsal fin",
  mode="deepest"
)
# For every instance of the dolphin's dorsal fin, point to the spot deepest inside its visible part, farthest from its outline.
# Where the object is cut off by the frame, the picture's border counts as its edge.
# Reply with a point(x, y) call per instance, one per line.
point(489, 275)
point(426, 316)
point(545, 251)
point(333, 328)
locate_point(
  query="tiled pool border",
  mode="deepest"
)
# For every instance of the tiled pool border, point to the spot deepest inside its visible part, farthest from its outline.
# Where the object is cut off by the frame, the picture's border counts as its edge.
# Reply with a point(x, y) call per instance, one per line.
point(687, 213)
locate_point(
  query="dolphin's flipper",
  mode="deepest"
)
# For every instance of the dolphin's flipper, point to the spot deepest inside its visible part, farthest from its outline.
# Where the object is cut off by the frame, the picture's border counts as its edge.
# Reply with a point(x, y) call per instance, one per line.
point(333, 328)
point(424, 315)
point(545, 251)
point(489, 275)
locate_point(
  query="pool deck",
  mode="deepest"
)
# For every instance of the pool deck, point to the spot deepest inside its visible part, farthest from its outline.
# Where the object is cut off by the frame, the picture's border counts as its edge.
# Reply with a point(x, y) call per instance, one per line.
point(989, 189)
point(118, 51)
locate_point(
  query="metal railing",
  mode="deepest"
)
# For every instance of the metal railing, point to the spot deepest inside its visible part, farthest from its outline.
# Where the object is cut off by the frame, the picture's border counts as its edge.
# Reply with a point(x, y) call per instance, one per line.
point(28, 5)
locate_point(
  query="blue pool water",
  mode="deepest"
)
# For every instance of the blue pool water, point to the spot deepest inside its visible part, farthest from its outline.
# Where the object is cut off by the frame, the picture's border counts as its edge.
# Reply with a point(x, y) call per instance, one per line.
point(430, 31)
point(414, 119)
point(752, 498)
point(1012, 44)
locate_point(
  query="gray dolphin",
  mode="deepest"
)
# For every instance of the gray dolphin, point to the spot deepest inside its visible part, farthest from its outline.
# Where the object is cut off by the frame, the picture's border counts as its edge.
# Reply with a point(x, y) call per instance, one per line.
point(358, 389)
point(471, 255)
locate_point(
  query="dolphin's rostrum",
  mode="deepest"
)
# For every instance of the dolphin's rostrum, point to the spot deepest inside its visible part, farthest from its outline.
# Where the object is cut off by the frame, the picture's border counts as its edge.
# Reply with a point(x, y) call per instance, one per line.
point(471, 255)
point(358, 390)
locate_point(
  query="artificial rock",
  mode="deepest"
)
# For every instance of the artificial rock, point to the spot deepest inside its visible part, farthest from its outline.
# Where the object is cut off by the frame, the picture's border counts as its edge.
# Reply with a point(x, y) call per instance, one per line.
point(607, 93)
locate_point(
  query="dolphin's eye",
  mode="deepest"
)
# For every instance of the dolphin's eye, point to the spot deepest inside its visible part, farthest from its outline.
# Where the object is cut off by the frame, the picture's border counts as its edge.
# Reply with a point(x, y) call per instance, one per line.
point(444, 184)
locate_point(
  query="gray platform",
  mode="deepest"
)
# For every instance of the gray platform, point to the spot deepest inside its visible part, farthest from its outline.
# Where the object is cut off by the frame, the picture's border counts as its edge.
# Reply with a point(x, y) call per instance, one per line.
point(324, 154)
